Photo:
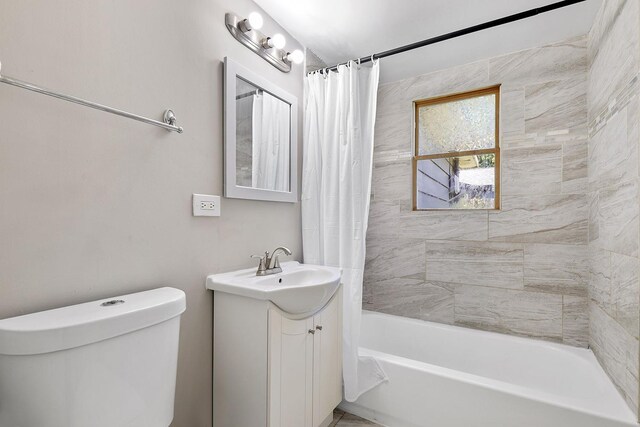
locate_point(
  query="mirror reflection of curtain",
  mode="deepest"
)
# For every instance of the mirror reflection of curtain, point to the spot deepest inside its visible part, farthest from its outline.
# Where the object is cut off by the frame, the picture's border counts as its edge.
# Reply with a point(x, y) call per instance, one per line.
point(270, 136)
point(244, 112)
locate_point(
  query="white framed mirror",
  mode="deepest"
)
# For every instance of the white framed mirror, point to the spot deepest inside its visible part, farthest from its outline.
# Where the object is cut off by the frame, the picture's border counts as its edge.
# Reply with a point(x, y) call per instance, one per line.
point(260, 137)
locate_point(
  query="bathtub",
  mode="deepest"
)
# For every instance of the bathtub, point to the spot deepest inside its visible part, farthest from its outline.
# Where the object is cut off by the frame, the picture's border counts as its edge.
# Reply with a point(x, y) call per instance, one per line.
point(448, 376)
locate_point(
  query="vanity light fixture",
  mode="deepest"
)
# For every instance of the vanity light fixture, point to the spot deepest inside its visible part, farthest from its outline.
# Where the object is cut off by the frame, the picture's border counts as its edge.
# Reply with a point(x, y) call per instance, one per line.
point(270, 48)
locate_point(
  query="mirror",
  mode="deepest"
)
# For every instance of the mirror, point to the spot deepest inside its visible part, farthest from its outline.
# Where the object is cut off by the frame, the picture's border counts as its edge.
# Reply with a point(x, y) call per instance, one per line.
point(260, 138)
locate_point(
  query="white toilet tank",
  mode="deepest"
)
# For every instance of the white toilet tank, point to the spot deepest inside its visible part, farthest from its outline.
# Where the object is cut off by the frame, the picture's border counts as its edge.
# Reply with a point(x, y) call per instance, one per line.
point(108, 363)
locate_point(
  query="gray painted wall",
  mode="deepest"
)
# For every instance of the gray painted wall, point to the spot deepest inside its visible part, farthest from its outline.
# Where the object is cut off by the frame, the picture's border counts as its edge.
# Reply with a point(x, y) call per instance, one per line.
point(94, 205)
point(614, 203)
point(522, 270)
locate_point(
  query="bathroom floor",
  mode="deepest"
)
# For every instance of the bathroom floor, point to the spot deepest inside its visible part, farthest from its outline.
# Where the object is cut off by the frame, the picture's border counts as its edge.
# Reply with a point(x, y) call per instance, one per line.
point(343, 419)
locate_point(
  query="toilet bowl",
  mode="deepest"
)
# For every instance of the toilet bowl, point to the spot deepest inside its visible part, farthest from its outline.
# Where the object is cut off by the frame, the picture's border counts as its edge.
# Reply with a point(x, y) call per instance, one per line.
point(107, 363)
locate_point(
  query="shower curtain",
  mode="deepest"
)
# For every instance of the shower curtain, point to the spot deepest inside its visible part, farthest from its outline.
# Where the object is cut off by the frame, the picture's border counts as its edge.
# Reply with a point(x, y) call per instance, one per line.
point(270, 157)
point(336, 184)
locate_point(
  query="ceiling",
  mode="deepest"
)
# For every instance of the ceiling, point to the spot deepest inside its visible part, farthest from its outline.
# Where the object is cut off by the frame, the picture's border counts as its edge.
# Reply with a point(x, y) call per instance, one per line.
point(338, 30)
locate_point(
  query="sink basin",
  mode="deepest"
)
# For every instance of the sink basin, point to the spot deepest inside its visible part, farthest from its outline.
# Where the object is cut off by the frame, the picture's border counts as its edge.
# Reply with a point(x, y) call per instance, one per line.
point(299, 289)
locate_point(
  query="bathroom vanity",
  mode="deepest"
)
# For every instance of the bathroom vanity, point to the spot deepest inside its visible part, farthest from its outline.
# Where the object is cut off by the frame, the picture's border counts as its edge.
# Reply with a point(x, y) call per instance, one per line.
point(277, 358)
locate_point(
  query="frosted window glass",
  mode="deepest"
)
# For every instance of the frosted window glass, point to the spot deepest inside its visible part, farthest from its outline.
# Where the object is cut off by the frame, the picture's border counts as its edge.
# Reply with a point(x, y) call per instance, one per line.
point(464, 125)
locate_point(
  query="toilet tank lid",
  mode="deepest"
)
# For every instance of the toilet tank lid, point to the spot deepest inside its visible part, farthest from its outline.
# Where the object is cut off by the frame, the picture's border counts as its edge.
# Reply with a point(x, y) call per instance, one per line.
point(82, 324)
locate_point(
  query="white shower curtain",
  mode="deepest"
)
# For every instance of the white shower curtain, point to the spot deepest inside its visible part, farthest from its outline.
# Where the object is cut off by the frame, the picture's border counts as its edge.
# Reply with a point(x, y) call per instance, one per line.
point(336, 184)
point(270, 136)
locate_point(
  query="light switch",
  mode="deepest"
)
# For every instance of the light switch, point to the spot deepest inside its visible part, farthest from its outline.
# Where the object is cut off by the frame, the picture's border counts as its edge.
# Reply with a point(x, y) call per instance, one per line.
point(206, 205)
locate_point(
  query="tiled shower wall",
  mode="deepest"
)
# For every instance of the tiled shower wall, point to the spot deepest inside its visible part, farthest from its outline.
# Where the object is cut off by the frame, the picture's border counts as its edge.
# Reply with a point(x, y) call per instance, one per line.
point(613, 111)
point(522, 270)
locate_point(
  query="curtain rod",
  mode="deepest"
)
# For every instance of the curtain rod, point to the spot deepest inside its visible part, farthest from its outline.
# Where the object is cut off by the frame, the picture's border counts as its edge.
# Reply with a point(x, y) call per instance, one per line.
point(248, 94)
point(490, 24)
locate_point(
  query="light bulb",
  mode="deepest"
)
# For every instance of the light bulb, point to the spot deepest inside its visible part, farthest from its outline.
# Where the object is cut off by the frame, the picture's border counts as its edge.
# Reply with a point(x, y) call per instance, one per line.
point(296, 56)
point(255, 20)
point(278, 41)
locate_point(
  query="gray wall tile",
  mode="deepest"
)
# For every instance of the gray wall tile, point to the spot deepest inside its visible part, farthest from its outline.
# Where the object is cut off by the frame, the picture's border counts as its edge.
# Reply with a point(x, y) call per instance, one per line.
point(445, 82)
point(602, 23)
point(617, 352)
point(383, 220)
point(475, 263)
point(575, 320)
point(611, 158)
point(532, 170)
point(600, 278)
point(540, 219)
point(614, 202)
point(544, 181)
point(594, 210)
point(393, 129)
point(539, 65)
point(413, 298)
point(625, 292)
point(618, 226)
point(558, 104)
point(444, 225)
point(613, 53)
point(390, 258)
point(562, 269)
point(516, 312)
point(574, 167)
point(512, 112)
point(392, 180)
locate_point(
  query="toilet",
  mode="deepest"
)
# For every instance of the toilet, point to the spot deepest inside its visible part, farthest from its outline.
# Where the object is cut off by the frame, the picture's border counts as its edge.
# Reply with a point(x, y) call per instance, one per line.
point(107, 363)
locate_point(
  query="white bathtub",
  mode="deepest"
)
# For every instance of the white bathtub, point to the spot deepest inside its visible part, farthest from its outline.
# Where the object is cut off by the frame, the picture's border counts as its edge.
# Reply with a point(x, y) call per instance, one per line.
point(447, 376)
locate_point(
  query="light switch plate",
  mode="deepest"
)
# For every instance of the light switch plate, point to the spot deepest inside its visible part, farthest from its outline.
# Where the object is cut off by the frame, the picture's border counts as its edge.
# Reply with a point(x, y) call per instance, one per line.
point(206, 205)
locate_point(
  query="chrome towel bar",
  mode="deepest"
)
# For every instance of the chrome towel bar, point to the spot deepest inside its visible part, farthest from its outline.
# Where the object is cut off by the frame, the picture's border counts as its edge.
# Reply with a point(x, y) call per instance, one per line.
point(169, 118)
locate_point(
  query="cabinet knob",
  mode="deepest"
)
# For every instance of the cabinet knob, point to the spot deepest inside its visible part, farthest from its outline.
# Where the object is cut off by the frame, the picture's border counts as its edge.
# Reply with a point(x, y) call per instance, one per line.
point(319, 327)
point(311, 331)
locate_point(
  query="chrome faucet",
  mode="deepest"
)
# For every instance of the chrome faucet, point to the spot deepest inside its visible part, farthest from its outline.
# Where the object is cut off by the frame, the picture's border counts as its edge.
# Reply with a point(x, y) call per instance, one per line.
point(273, 262)
point(270, 264)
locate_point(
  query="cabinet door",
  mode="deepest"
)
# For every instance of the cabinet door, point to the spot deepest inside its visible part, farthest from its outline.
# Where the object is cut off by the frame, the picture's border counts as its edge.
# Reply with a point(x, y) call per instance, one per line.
point(290, 371)
point(327, 363)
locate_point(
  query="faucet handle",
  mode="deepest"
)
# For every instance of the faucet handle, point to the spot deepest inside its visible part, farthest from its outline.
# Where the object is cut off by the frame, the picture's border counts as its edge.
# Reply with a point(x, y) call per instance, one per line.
point(262, 266)
point(265, 256)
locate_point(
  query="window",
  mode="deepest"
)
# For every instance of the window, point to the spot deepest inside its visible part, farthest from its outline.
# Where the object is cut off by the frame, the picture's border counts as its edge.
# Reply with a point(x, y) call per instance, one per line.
point(456, 162)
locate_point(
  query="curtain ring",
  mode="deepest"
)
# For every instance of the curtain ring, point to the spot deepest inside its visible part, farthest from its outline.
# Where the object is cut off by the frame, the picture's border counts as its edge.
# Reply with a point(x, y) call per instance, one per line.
point(372, 59)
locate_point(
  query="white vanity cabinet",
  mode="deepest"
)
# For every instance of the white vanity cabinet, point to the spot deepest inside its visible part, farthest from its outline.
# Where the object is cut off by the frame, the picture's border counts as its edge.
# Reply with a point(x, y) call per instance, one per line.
point(272, 369)
point(305, 367)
